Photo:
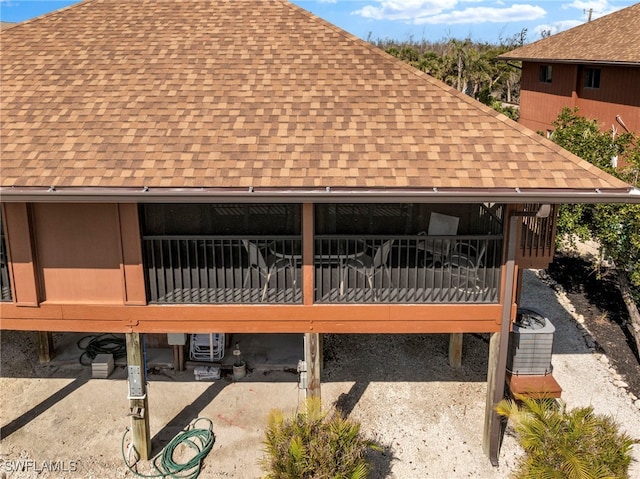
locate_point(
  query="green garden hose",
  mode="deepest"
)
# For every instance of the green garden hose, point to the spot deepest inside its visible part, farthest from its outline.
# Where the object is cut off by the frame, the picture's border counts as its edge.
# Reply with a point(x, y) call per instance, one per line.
point(102, 344)
point(199, 439)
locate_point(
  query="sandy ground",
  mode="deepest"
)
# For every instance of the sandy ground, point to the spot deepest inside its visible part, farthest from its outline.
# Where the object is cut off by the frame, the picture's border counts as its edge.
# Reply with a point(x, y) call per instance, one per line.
point(428, 417)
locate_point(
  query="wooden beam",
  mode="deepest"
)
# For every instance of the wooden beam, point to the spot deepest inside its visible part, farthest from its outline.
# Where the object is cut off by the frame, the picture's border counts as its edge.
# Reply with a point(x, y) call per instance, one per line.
point(494, 344)
point(455, 350)
point(138, 401)
point(251, 318)
point(45, 343)
point(131, 250)
point(308, 270)
point(537, 387)
point(312, 357)
point(19, 231)
point(498, 348)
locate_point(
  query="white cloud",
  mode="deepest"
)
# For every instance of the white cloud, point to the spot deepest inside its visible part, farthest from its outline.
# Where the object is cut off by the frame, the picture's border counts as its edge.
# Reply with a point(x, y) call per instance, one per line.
point(475, 15)
point(597, 5)
point(597, 8)
point(555, 27)
point(405, 9)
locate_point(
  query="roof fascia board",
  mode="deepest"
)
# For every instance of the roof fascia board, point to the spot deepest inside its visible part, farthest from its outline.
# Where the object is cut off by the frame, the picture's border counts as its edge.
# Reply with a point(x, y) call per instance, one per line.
point(572, 61)
point(328, 195)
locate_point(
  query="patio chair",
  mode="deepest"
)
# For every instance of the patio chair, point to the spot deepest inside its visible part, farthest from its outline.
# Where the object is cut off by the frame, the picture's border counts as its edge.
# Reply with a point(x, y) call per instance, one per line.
point(440, 225)
point(369, 266)
point(265, 267)
point(465, 260)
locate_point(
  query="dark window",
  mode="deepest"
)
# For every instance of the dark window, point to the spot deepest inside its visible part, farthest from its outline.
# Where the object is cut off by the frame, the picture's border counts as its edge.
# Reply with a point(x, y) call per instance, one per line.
point(592, 78)
point(545, 73)
point(220, 219)
point(5, 285)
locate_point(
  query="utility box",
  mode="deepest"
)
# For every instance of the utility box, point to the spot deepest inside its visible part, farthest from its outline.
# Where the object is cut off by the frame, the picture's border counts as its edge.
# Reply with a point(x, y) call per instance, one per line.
point(530, 344)
point(176, 339)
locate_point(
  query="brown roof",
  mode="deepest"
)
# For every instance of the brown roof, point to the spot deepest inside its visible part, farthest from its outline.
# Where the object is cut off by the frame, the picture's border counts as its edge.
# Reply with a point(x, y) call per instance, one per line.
point(245, 93)
point(612, 39)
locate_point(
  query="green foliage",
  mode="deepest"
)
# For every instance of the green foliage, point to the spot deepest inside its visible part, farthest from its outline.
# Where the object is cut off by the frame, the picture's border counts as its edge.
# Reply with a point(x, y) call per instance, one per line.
point(562, 444)
point(468, 66)
point(615, 226)
point(314, 444)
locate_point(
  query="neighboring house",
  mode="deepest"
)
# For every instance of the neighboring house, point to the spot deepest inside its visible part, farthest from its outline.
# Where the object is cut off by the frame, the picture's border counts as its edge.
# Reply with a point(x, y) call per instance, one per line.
point(594, 66)
point(244, 166)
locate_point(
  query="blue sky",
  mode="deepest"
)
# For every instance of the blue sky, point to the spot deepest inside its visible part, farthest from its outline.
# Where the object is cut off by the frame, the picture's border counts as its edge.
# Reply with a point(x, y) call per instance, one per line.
point(480, 20)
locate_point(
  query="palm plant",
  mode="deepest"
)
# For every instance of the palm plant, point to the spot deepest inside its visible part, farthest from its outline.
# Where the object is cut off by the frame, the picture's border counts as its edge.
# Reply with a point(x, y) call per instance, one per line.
point(314, 444)
point(563, 444)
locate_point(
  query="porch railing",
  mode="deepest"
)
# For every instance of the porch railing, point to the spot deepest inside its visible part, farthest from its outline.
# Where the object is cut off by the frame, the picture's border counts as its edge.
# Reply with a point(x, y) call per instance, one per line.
point(222, 269)
point(408, 269)
point(348, 269)
point(537, 239)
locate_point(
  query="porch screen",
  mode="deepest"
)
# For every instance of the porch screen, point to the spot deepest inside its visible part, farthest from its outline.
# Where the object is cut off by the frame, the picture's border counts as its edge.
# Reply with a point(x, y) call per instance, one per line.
point(220, 219)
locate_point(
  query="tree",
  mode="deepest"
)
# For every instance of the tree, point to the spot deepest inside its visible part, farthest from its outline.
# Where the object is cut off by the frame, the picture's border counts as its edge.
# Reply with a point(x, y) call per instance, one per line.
point(468, 66)
point(616, 227)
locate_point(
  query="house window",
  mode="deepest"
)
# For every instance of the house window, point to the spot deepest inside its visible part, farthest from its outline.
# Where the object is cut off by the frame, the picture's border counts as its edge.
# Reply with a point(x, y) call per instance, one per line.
point(545, 73)
point(5, 285)
point(592, 78)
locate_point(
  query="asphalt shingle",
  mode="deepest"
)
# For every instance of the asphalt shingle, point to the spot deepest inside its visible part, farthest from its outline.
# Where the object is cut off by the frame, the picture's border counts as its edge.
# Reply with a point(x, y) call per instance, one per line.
point(612, 39)
point(238, 93)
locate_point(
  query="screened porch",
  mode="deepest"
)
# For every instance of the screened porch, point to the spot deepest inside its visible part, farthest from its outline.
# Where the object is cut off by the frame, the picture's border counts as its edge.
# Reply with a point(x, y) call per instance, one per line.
point(362, 253)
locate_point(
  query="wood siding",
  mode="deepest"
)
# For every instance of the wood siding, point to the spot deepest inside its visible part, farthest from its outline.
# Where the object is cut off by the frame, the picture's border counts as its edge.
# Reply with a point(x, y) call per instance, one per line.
point(618, 94)
point(79, 252)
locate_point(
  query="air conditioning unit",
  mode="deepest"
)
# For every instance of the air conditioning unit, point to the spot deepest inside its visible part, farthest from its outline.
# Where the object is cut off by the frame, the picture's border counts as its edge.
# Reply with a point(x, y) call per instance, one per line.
point(530, 344)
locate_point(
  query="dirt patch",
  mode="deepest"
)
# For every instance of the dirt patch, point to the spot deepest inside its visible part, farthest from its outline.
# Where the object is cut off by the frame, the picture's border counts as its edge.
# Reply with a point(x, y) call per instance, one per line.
point(594, 293)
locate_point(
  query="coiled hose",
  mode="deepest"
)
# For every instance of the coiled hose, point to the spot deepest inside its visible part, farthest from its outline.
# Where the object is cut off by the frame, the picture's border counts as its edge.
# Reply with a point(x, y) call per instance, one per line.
point(199, 439)
point(101, 344)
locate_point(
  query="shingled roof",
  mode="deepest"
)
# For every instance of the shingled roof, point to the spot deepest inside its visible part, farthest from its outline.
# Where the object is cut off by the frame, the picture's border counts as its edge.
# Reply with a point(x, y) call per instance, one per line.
point(612, 39)
point(192, 94)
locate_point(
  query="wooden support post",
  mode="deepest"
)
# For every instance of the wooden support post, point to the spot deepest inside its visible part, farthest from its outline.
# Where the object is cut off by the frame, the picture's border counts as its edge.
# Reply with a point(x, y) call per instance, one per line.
point(176, 358)
point(139, 407)
point(45, 343)
point(494, 344)
point(455, 350)
point(312, 356)
point(308, 270)
point(498, 346)
point(181, 357)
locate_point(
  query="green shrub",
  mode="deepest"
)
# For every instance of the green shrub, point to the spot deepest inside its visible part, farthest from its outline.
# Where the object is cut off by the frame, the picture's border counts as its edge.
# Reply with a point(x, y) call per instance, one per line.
point(313, 444)
point(562, 444)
